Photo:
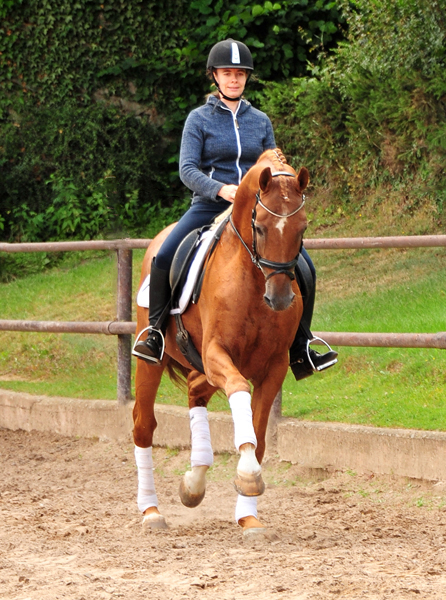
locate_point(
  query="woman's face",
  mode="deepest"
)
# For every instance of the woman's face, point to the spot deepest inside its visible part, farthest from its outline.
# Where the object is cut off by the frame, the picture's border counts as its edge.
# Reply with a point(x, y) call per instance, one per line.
point(231, 81)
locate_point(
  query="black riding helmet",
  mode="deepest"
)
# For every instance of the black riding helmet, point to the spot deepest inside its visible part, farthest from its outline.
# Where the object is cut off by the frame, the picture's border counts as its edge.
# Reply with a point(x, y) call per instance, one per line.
point(229, 54)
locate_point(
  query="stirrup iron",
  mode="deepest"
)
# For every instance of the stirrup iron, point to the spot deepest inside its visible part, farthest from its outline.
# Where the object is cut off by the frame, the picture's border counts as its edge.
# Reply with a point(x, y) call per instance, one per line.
point(329, 349)
point(149, 359)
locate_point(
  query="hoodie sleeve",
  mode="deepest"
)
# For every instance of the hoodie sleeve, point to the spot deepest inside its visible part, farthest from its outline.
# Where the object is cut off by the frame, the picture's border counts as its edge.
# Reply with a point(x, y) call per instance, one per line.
point(191, 149)
point(270, 142)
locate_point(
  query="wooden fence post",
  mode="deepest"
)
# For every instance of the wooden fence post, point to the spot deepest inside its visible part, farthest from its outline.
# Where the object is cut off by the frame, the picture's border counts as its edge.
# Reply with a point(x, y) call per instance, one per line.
point(124, 313)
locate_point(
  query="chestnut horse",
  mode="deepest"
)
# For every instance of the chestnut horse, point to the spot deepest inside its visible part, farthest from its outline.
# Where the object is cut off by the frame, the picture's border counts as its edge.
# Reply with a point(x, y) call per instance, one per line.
point(243, 325)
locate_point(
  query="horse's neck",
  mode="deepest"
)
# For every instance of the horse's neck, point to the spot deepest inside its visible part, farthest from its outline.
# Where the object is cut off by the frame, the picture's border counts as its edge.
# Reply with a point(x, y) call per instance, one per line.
point(242, 214)
point(276, 161)
point(246, 197)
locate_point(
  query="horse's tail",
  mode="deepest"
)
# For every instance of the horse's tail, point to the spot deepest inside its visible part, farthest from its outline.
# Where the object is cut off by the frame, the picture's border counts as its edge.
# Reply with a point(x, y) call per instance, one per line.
point(177, 373)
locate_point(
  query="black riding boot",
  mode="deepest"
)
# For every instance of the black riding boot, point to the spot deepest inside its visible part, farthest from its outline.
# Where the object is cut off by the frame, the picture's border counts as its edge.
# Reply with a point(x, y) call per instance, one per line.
point(304, 361)
point(152, 348)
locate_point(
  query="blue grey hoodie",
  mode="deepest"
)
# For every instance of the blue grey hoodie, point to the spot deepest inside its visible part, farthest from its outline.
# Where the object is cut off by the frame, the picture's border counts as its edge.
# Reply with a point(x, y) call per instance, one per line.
point(219, 146)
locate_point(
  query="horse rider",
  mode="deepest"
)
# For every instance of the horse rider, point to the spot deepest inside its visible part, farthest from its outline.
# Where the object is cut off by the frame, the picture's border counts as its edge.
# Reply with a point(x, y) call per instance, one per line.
point(221, 141)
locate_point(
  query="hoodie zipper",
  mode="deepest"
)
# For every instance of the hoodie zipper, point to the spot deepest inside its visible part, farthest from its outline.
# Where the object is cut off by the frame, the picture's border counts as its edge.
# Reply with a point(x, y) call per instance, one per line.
point(237, 137)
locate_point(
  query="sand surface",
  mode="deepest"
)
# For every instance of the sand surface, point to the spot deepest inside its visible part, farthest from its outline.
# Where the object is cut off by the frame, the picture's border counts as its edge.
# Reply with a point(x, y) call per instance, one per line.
point(70, 528)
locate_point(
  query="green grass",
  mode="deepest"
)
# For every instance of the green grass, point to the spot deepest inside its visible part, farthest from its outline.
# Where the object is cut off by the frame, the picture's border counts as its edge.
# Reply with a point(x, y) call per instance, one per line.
point(370, 291)
point(391, 291)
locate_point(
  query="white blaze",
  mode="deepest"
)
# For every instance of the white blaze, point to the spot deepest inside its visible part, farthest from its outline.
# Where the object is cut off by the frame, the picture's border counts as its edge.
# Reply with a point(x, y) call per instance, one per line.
point(281, 224)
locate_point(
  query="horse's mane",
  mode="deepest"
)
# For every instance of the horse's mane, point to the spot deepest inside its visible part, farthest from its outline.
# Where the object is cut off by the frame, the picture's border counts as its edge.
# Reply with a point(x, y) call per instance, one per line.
point(275, 156)
point(276, 159)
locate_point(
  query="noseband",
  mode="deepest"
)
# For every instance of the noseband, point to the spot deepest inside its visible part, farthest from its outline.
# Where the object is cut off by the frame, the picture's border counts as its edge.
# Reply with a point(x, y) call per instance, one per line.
point(260, 262)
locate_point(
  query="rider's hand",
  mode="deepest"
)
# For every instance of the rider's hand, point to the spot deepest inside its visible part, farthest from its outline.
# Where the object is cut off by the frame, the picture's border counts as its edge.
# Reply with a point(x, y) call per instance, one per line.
point(227, 192)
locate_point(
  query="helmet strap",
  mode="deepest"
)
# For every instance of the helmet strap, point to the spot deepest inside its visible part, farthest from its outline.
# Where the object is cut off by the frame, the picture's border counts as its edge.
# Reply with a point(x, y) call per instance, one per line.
point(227, 97)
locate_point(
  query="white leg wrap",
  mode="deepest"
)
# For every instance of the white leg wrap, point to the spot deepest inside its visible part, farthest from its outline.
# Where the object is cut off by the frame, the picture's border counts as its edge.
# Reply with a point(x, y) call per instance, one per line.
point(146, 483)
point(246, 507)
point(240, 403)
point(201, 454)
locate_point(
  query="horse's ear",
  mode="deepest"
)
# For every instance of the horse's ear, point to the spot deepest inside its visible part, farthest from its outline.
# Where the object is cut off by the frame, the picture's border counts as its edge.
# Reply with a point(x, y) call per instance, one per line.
point(302, 179)
point(265, 179)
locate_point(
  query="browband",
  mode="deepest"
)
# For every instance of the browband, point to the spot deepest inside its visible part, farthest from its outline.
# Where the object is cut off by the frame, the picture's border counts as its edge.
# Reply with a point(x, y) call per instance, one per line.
point(277, 173)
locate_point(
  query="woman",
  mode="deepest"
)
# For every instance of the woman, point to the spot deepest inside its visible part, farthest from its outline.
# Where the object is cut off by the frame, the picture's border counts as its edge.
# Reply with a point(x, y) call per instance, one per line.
point(221, 141)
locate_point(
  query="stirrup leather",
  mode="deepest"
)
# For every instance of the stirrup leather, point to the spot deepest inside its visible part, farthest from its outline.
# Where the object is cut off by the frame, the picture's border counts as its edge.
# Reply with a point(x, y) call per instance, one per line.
point(144, 356)
point(329, 349)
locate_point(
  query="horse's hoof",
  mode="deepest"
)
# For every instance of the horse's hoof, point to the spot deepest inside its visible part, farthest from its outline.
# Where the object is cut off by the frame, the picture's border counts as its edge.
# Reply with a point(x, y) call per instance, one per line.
point(193, 486)
point(188, 498)
point(259, 534)
point(249, 485)
point(154, 521)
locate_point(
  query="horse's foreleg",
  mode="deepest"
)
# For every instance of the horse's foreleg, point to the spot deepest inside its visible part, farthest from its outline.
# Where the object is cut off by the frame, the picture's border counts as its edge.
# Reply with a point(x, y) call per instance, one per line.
point(246, 508)
point(221, 372)
point(193, 484)
point(249, 480)
point(263, 397)
point(148, 378)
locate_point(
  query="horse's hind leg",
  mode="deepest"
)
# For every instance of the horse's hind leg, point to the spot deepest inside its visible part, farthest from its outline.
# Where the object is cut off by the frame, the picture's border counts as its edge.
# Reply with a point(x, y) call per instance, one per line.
point(147, 380)
point(193, 484)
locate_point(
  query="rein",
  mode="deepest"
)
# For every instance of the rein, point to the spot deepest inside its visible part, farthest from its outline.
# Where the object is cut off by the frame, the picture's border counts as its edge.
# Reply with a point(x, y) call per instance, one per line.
point(260, 262)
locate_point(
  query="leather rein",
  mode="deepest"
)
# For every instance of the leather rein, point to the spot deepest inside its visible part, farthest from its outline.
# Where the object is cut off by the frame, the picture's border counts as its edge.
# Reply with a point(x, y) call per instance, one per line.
point(260, 262)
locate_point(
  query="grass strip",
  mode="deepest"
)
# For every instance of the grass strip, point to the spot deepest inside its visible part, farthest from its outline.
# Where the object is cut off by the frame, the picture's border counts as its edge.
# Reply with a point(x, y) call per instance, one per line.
point(372, 291)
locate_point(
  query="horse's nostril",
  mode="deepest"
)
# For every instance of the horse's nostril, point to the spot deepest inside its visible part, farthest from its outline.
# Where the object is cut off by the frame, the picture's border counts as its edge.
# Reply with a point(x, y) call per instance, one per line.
point(267, 300)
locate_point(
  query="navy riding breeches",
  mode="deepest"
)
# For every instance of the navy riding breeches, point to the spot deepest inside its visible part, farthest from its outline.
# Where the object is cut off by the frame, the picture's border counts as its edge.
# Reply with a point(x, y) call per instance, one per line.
point(198, 215)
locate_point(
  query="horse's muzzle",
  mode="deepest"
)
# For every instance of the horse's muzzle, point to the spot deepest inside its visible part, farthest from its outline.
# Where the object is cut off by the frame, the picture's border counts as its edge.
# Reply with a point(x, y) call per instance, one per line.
point(279, 302)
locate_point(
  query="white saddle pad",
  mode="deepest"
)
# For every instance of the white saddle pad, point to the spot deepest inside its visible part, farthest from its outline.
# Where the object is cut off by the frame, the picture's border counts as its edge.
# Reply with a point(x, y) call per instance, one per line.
point(142, 299)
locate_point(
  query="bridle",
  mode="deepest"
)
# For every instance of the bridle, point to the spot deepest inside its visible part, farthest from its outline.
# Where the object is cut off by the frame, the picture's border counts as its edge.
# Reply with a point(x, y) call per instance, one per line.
point(260, 262)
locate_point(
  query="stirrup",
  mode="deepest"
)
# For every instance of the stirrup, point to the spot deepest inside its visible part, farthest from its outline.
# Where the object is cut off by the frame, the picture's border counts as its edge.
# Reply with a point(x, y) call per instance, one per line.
point(329, 349)
point(150, 359)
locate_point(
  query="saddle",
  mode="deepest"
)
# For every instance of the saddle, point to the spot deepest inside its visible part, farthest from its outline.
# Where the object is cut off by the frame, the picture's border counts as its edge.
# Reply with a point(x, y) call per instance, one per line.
point(195, 249)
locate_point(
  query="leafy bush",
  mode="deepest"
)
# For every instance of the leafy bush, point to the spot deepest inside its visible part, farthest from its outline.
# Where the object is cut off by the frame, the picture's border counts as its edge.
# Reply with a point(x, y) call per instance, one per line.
point(80, 172)
point(374, 113)
point(52, 51)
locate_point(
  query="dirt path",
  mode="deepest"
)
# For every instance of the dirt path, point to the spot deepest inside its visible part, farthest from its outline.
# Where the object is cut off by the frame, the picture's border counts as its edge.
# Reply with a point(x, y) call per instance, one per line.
point(69, 528)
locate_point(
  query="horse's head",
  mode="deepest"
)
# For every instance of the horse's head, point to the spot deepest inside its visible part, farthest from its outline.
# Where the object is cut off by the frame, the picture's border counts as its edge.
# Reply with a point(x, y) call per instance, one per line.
point(275, 194)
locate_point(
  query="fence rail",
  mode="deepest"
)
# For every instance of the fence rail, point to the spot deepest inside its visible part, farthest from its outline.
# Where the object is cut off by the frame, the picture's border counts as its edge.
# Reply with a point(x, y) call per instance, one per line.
point(125, 244)
point(398, 241)
point(335, 338)
point(123, 327)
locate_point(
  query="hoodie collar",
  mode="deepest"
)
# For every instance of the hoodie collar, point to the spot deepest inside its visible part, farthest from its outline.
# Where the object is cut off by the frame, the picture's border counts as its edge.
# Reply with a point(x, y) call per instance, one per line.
point(217, 103)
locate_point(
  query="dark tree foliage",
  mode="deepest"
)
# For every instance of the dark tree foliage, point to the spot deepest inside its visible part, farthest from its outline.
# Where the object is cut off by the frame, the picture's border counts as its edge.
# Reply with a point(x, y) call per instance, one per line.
point(93, 97)
point(373, 114)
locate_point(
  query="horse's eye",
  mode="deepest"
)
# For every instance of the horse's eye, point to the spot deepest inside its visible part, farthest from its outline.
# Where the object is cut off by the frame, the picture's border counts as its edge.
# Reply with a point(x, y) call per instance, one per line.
point(258, 230)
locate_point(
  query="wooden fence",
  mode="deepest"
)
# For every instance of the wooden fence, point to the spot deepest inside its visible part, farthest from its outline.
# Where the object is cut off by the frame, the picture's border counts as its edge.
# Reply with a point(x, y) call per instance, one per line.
point(123, 326)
